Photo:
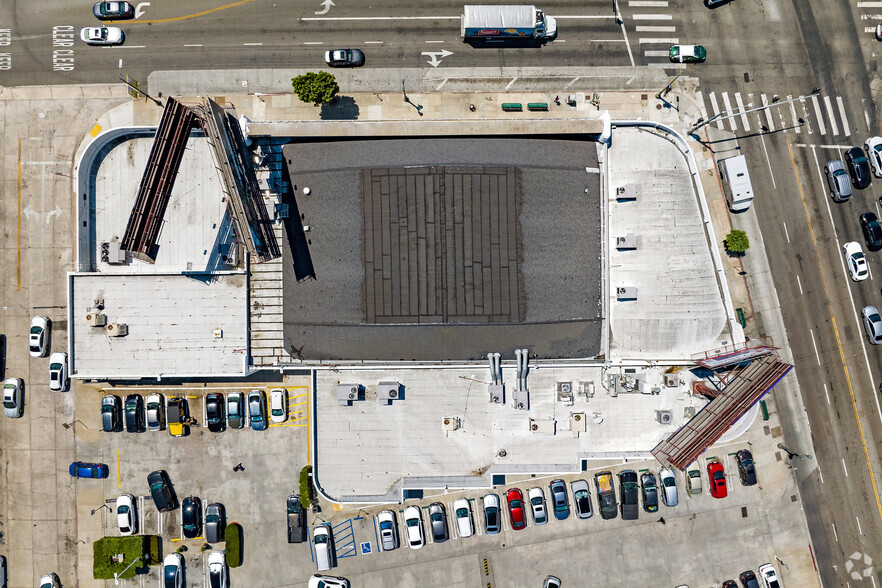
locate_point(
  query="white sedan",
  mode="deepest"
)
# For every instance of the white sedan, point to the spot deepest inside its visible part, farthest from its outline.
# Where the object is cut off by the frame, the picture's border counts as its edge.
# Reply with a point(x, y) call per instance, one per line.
point(279, 405)
point(769, 576)
point(463, 511)
point(217, 570)
point(855, 260)
point(58, 378)
point(126, 515)
point(102, 36)
point(38, 338)
point(873, 147)
point(413, 522)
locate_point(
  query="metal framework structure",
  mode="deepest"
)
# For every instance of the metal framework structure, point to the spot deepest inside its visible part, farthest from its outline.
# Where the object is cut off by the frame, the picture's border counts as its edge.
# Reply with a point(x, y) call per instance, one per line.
point(146, 218)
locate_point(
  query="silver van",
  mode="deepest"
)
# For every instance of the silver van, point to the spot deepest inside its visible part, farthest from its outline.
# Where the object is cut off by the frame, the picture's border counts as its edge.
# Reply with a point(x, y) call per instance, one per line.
point(323, 543)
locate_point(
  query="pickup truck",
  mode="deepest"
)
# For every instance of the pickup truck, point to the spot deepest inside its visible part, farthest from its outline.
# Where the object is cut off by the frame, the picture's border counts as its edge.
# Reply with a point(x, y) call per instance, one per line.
point(178, 416)
point(296, 520)
point(630, 495)
point(606, 495)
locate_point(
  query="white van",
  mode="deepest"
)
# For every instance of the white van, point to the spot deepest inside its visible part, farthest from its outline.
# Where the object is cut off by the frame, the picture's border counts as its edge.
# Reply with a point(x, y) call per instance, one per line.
point(736, 183)
point(323, 542)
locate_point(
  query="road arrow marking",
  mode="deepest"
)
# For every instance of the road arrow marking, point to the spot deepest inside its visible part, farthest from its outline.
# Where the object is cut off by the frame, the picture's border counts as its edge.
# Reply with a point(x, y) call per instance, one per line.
point(138, 11)
point(51, 213)
point(30, 213)
point(436, 56)
point(327, 6)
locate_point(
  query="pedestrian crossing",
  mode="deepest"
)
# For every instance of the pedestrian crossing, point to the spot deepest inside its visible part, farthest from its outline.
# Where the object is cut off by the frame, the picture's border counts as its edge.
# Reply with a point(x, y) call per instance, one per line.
point(813, 114)
point(655, 30)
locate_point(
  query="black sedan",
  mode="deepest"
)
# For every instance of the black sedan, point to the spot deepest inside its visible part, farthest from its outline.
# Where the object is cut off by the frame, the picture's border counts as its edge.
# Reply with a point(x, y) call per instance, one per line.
point(135, 413)
point(214, 412)
point(191, 519)
point(858, 167)
point(344, 58)
point(113, 11)
point(746, 467)
point(872, 231)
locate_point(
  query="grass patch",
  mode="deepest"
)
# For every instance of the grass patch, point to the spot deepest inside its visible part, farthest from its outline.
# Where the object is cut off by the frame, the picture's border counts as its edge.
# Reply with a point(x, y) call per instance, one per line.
point(234, 538)
point(305, 487)
point(132, 548)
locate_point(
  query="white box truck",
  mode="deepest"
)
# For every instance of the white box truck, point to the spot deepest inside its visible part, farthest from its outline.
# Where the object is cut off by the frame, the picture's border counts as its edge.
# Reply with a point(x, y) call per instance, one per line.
point(499, 23)
point(736, 183)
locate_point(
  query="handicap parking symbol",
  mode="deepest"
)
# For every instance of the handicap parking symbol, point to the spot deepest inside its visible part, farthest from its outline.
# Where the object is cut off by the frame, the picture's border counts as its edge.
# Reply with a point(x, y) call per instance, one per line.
point(365, 547)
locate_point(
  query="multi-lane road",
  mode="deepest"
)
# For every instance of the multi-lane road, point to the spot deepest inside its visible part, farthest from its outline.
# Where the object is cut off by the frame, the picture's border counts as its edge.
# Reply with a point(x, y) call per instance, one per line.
point(757, 51)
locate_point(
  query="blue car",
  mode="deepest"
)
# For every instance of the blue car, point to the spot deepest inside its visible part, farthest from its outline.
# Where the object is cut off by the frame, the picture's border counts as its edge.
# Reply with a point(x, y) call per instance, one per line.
point(81, 469)
point(559, 499)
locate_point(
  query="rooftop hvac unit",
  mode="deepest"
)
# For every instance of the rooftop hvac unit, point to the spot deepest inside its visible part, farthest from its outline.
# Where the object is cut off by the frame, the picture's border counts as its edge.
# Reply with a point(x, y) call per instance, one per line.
point(450, 423)
point(672, 380)
point(628, 241)
point(521, 400)
point(96, 319)
point(565, 387)
point(689, 412)
point(626, 293)
point(117, 330)
point(218, 333)
point(626, 192)
point(346, 393)
point(497, 393)
point(387, 392)
point(664, 417)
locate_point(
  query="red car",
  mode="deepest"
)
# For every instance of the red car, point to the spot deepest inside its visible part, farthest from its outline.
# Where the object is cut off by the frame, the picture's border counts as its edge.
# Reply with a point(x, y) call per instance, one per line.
point(717, 478)
point(516, 509)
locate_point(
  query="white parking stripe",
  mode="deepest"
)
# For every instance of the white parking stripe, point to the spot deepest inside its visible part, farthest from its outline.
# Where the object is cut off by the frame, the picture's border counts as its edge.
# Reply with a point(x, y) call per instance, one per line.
point(652, 17)
point(648, 29)
point(794, 115)
point(744, 120)
point(869, 4)
point(713, 99)
point(818, 114)
point(846, 131)
point(653, 53)
point(648, 3)
point(728, 107)
point(701, 106)
point(768, 111)
point(829, 106)
point(644, 40)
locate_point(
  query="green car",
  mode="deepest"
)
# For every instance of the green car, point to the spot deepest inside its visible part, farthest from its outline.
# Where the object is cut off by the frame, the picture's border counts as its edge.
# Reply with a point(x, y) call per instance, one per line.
point(688, 54)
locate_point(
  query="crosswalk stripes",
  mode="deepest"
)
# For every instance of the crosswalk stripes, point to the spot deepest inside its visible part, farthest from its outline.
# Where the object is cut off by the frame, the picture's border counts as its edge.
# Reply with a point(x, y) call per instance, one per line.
point(651, 31)
point(785, 113)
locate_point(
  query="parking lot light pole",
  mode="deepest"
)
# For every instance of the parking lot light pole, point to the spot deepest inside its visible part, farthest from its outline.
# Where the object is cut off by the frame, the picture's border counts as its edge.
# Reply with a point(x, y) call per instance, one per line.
point(94, 510)
point(116, 576)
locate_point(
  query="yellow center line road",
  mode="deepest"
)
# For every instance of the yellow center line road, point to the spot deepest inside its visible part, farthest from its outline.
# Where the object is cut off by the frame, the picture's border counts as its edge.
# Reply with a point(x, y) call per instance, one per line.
point(857, 416)
point(18, 247)
point(188, 16)
point(118, 472)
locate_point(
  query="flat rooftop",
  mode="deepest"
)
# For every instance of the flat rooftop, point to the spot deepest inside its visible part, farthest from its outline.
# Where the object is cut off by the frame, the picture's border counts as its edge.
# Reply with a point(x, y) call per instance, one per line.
point(444, 249)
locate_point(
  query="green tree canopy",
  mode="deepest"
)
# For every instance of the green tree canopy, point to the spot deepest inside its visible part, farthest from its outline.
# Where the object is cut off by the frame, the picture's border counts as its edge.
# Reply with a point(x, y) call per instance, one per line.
point(737, 241)
point(318, 88)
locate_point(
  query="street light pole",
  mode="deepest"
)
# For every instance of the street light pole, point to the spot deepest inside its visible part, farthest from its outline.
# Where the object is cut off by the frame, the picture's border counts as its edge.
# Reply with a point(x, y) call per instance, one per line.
point(775, 102)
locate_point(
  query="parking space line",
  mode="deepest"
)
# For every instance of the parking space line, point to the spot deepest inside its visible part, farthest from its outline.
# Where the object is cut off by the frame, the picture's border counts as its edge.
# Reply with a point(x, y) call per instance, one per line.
point(768, 112)
point(829, 107)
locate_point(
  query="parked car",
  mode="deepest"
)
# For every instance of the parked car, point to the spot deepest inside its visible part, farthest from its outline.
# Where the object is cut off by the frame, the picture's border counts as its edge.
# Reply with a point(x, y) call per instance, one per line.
point(717, 478)
point(693, 481)
point(668, 483)
point(178, 416)
point(873, 147)
point(748, 579)
point(214, 412)
point(173, 571)
point(837, 179)
point(155, 412)
point(872, 231)
point(491, 514)
point(296, 520)
point(135, 413)
point(551, 582)
point(344, 58)
point(279, 405)
point(872, 324)
point(160, 489)
point(218, 573)
point(38, 339)
point(107, 36)
point(769, 576)
point(191, 516)
point(537, 505)
point(729, 584)
point(855, 261)
point(257, 409)
point(606, 495)
point(413, 522)
point(13, 397)
point(3, 571)
point(126, 515)
point(113, 11)
point(236, 410)
point(650, 492)
point(50, 581)
point(323, 547)
point(559, 499)
point(715, 3)
point(463, 511)
point(858, 167)
point(515, 500)
point(320, 581)
point(388, 530)
point(630, 495)
point(688, 54)
point(215, 522)
point(111, 414)
point(82, 469)
point(581, 498)
point(58, 376)
point(746, 467)
point(438, 522)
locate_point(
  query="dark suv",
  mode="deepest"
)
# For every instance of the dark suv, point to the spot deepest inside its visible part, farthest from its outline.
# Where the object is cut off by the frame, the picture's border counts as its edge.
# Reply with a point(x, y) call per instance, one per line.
point(872, 231)
point(135, 413)
point(214, 412)
point(111, 413)
point(858, 167)
point(746, 467)
point(160, 488)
